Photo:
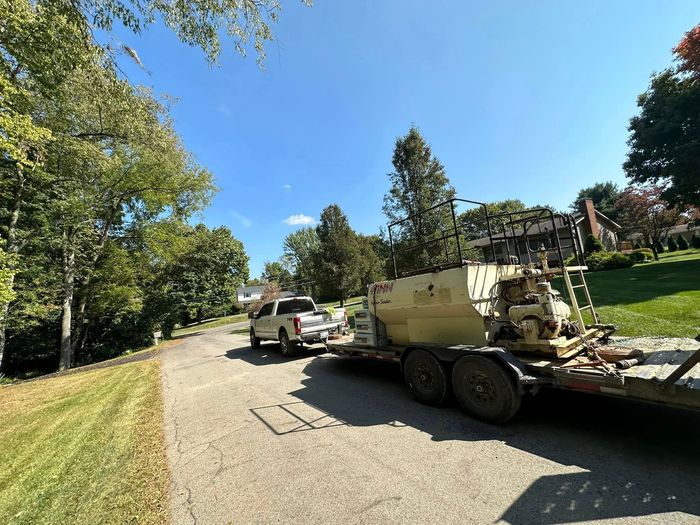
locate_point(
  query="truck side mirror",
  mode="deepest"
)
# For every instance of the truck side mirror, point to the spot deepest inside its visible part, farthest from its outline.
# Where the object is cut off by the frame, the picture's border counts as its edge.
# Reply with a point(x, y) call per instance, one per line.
point(251, 315)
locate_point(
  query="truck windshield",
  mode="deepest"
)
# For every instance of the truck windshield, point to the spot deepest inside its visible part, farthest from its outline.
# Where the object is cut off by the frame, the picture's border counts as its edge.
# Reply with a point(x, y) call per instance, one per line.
point(295, 306)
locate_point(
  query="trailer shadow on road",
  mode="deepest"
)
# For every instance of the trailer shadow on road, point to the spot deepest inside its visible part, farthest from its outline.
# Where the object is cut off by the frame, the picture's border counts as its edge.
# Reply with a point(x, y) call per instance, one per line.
point(635, 459)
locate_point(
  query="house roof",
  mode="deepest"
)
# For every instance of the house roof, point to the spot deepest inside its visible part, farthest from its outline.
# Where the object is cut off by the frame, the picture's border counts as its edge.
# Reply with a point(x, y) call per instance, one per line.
point(251, 289)
point(674, 230)
point(558, 222)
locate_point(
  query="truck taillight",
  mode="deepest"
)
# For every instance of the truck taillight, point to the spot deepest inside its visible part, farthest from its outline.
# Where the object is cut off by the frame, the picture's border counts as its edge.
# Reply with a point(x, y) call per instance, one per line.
point(345, 317)
point(297, 325)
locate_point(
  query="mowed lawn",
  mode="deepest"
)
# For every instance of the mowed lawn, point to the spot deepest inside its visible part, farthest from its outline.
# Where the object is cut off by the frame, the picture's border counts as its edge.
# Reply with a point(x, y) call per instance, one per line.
point(84, 448)
point(657, 298)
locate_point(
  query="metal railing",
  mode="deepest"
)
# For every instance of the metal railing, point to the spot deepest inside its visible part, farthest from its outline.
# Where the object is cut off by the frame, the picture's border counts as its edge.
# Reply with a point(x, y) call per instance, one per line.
point(518, 234)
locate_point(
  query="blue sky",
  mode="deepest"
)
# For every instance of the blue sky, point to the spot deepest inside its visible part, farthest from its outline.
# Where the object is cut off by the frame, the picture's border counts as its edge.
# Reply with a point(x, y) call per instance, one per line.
point(525, 100)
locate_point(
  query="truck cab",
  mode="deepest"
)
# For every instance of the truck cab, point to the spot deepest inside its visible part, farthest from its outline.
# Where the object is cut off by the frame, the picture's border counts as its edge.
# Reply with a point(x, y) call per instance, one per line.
point(293, 321)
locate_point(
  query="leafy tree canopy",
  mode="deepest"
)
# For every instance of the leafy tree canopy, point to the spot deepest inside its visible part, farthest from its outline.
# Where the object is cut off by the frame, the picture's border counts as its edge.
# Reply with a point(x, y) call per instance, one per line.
point(663, 142)
point(604, 196)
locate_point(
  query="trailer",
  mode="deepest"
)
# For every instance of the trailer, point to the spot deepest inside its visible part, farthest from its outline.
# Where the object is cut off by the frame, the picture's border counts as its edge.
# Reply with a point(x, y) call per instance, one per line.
point(491, 330)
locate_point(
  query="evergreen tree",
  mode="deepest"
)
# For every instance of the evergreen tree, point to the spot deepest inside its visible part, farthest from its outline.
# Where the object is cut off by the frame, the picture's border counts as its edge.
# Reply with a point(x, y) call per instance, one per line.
point(671, 243)
point(418, 182)
point(695, 241)
point(340, 263)
point(592, 244)
point(682, 243)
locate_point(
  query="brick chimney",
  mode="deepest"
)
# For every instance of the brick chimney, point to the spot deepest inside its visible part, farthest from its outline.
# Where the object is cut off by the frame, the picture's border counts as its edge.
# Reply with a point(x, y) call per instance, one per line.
point(590, 221)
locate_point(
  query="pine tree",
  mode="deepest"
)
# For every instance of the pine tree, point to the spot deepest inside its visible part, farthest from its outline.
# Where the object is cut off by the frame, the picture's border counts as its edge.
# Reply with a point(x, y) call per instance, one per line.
point(418, 182)
point(671, 243)
point(682, 243)
point(695, 241)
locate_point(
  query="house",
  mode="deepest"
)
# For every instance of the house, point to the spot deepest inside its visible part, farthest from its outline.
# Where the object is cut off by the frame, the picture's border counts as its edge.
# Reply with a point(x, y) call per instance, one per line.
point(248, 294)
point(245, 295)
point(587, 220)
point(686, 230)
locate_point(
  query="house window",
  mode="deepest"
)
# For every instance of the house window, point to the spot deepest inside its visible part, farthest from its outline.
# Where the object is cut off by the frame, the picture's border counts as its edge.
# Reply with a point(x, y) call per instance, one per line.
point(246, 295)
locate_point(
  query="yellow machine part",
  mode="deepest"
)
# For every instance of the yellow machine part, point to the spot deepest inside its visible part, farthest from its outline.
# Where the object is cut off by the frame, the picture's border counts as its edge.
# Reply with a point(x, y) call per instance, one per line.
point(445, 307)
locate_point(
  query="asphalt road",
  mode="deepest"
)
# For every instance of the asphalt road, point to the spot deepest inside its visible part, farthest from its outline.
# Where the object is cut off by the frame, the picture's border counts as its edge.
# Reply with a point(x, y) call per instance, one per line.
point(257, 438)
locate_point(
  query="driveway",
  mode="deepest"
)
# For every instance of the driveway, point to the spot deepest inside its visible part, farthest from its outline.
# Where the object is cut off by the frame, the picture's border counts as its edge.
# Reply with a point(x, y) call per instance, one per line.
point(257, 438)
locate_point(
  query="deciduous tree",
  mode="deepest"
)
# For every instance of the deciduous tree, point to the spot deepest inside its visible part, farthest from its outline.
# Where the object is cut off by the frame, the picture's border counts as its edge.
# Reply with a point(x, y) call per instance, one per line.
point(663, 138)
point(644, 210)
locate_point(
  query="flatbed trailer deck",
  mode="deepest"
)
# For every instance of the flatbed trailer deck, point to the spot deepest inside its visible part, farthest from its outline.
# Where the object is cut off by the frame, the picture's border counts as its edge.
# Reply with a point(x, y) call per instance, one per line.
point(670, 377)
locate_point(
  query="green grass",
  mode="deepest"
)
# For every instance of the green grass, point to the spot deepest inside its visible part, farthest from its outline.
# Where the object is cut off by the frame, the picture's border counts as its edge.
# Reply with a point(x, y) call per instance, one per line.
point(657, 298)
point(212, 323)
point(84, 448)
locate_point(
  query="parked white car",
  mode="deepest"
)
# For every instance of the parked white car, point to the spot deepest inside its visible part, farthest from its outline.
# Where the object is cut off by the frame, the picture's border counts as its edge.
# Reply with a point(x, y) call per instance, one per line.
point(293, 321)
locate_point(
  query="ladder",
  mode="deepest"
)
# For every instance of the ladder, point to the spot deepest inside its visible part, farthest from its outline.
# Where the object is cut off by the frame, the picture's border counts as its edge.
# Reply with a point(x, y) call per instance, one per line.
point(571, 287)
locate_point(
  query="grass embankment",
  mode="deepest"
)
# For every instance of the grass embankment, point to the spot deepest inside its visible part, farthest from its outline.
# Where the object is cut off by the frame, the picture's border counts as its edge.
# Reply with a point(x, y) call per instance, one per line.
point(84, 448)
point(211, 323)
point(657, 298)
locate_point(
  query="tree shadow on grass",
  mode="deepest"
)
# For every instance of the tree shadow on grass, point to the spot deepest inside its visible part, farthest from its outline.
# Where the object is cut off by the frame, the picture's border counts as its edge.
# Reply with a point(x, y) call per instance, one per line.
point(636, 459)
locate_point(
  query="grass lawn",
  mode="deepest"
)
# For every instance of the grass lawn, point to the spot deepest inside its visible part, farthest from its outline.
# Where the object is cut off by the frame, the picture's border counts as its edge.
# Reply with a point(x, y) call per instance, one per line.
point(657, 298)
point(213, 323)
point(86, 447)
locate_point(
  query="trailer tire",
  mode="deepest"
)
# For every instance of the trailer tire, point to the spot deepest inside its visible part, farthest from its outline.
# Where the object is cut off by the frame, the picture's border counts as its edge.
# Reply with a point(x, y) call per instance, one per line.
point(425, 377)
point(286, 347)
point(485, 389)
point(254, 341)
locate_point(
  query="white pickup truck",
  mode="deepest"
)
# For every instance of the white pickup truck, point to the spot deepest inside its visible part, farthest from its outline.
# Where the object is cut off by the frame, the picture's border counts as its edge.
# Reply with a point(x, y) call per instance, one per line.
point(293, 321)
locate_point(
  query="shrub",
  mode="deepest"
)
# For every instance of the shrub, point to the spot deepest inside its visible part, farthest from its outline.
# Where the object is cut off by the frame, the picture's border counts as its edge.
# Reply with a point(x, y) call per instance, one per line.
point(659, 247)
point(682, 243)
point(642, 255)
point(637, 246)
point(672, 246)
point(695, 241)
point(592, 244)
point(608, 261)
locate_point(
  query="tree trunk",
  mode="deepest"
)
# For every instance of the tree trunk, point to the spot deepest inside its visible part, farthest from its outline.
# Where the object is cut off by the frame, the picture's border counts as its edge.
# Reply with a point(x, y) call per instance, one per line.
point(79, 340)
point(4, 309)
point(652, 245)
point(68, 269)
point(12, 248)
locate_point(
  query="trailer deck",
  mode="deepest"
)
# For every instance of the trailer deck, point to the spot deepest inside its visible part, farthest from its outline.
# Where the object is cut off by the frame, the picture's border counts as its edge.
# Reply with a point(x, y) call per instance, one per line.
point(670, 376)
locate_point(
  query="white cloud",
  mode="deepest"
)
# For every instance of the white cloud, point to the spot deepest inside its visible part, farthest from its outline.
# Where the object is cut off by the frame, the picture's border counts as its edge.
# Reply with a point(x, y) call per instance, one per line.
point(299, 219)
point(287, 187)
point(245, 221)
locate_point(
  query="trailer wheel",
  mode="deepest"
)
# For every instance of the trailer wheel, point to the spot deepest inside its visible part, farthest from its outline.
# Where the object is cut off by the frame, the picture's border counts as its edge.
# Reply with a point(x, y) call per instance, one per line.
point(254, 341)
point(287, 348)
point(484, 389)
point(425, 377)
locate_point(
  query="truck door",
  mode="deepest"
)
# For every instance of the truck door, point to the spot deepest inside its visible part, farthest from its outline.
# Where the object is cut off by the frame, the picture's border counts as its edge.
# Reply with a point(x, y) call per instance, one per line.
point(262, 321)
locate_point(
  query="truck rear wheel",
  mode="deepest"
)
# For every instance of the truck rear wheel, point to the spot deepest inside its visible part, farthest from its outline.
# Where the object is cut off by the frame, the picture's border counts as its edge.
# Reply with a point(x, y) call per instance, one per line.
point(254, 341)
point(425, 377)
point(286, 347)
point(485, 389)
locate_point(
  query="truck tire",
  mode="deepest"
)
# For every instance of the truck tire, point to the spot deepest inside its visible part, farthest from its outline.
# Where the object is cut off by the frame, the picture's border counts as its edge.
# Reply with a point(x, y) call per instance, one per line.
point(425, 377)
point(287, 348)
point(485, 389)
point(254, 341)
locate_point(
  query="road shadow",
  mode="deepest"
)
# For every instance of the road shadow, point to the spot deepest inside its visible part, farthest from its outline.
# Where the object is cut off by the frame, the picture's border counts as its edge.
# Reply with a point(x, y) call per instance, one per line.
point(269, 354)
point(637, 459)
